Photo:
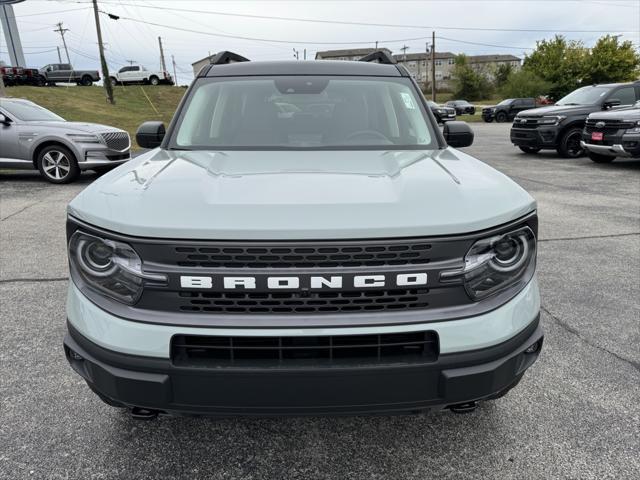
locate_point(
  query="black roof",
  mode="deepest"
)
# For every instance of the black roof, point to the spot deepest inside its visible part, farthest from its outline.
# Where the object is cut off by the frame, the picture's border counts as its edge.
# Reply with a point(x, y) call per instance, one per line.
point(307, 67)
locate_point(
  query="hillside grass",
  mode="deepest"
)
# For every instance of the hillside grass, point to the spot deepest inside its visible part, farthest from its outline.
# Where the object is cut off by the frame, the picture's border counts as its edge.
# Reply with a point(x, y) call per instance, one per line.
point(89, 104)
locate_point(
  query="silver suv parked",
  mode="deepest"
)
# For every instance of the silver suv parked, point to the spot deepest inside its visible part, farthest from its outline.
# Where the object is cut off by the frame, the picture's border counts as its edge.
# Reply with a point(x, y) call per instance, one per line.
point(33, 137)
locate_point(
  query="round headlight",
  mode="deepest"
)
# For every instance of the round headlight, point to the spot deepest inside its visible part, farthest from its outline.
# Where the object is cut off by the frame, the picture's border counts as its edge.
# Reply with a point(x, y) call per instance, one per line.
point(509, 253)
point(96, 257)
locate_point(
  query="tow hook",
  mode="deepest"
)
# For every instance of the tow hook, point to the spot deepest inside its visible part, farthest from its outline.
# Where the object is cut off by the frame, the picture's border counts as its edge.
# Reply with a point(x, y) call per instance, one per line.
point(464, 407)
point(140, 413)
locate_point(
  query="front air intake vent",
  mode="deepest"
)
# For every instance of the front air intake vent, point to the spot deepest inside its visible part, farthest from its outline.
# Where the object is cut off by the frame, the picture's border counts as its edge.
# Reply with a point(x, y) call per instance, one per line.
point(216, 351)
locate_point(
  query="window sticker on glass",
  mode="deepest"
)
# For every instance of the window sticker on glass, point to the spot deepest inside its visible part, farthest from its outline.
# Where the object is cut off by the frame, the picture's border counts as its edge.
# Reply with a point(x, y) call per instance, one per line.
point(408, 101)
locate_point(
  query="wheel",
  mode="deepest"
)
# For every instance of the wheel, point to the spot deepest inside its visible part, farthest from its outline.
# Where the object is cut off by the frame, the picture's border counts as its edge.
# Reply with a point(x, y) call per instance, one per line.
point(529, 149)
point(501, 117)
point(596, 157)
point(86, 81)
point(57, 164)
point(569, 146)
point(153, 80)
point(40, 81)
point(113, 81)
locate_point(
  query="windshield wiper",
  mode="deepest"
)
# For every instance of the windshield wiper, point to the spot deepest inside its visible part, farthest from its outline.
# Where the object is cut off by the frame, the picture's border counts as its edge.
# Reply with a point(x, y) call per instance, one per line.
point(568, 104)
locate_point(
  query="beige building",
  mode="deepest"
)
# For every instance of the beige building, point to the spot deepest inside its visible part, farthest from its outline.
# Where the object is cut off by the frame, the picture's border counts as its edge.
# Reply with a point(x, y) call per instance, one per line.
point(197, 65)
point(351, 54)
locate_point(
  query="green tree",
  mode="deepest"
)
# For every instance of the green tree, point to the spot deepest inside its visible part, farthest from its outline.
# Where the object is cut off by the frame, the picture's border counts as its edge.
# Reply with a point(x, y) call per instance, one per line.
point(560, 62)
point(524, 84)
point(502, 73)
point(467, 83)
point(611, 61)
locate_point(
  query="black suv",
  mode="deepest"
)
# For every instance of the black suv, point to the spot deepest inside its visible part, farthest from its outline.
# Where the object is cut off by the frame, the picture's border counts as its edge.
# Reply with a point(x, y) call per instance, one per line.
point(461, 106)
point(560, 126)
point(442, 114)
point(507, 109)
point(608, 135)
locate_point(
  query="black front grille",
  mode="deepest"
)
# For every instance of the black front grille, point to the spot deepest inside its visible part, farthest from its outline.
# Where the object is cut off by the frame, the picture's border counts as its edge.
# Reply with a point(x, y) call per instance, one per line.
point(282, 256)
point(296, 302)
point(240, 351)
point(118, 141)
point(608, 124)
point(526, 122)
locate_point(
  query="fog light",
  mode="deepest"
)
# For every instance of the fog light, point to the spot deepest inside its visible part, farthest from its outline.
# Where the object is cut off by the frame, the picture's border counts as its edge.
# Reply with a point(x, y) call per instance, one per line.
point(532, 348)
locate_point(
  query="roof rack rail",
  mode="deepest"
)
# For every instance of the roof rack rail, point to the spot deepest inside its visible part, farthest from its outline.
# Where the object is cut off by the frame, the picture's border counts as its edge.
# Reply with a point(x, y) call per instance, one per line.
point(226, 56)
point(379, 56)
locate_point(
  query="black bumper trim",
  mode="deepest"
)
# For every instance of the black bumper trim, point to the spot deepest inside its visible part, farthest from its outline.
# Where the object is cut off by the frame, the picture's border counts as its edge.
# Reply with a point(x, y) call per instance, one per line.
point(154, 383)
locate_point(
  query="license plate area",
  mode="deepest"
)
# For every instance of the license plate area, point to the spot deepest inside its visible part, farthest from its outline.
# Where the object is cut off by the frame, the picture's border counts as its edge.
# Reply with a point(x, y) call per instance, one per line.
point(597, 136)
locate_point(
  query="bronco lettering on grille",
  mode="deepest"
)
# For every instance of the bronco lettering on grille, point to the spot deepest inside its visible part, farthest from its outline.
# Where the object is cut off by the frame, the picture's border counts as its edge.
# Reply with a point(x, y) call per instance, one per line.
point(305, 282)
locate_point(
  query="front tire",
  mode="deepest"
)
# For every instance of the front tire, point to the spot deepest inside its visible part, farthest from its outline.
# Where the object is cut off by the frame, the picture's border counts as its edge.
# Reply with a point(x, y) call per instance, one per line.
point(596, 157)
point(154, 80)
point(86, 81)
point(113, 81)
point(569, 146)
point(530, 150)
point(501, 117)
point(57, 164)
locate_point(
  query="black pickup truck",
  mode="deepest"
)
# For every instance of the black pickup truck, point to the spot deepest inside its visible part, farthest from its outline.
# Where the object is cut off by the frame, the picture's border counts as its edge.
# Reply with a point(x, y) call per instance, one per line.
point(560, 126)
point(64, 72)
point(608, 135)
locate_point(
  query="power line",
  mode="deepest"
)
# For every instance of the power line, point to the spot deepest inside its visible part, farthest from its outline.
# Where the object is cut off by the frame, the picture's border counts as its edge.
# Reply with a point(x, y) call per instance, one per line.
point(484, 44)
point(49, 13)
point(367, 24)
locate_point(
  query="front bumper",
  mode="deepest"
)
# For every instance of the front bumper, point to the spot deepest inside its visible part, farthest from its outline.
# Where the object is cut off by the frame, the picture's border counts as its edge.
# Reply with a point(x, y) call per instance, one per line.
point(621, 145)
point(542, 137)
point(157, 384)
point(102, 158)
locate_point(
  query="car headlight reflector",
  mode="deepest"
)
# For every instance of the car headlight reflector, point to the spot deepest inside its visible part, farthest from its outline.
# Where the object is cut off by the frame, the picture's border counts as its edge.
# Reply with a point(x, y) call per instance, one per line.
point(109, 267)
point(83, 138)
point(551, 120)
point(495, 263)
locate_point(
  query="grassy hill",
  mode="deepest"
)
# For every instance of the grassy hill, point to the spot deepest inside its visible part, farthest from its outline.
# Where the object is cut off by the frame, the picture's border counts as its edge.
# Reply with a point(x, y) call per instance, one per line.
point(134, 104)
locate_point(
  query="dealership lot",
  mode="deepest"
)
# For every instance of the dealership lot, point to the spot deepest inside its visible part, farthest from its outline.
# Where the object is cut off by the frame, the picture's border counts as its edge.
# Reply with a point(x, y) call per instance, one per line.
point(576, 414)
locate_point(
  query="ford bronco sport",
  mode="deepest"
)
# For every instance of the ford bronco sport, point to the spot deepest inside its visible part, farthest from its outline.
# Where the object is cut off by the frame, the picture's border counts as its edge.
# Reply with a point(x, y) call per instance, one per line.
point(302, 239)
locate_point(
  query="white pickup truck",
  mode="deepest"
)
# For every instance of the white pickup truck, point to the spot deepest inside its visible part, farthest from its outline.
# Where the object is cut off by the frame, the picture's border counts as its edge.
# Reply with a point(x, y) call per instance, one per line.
point(139, 74)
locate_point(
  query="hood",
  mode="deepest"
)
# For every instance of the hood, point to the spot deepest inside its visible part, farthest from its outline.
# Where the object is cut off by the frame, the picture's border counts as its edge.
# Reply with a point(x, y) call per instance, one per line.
point(559, 110)
point(76, 126)
point(270, 195)
point(627, 114)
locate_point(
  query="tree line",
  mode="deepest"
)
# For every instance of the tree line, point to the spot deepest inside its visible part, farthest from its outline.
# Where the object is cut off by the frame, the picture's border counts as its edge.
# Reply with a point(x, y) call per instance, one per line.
point(555, 68)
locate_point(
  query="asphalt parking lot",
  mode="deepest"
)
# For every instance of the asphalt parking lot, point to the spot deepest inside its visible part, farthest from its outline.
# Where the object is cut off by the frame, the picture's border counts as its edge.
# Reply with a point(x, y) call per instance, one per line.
point(576, 414)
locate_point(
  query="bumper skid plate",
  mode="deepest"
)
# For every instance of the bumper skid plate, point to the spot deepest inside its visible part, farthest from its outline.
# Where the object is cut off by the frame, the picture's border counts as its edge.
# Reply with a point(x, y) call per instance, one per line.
point(158, 385)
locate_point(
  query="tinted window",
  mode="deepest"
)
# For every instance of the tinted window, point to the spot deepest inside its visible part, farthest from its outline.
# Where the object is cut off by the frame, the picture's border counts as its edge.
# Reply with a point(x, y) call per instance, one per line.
point(134, 69)
point(28, 111)
point(123, 69)
point(585, 96)
point(303, 112)
point(626, 95)
point(65, 66)
point(508, 101)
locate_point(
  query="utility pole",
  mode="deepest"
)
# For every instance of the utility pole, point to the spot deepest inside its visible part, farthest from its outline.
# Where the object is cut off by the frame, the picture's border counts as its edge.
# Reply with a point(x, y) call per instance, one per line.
point(376, 44)
point(62, 31)
point(175, 76)
point(404, 52)
point(162, 64)
point(305, 54)
point(59, 56)
point(106, 79)
point(131, 62)
point(433, 66)
point(296, 54)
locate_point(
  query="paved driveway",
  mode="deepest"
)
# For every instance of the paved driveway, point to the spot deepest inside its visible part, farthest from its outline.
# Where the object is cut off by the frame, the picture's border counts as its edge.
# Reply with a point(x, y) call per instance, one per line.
point(576, 414)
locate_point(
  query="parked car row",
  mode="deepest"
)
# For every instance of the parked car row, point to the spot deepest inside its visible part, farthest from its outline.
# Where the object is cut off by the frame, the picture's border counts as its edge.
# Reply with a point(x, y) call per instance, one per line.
point(598, 120)
point(65, 73)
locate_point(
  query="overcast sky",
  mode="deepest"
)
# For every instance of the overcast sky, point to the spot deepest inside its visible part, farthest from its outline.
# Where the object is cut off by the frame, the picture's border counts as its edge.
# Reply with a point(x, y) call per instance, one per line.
point(453, 20)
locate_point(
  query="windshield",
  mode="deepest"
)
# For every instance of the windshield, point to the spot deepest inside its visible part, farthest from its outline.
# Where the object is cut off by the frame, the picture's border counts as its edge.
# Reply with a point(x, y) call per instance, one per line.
point(303, 112)
point(506, 102)
point(29, 112)
point(584, 96)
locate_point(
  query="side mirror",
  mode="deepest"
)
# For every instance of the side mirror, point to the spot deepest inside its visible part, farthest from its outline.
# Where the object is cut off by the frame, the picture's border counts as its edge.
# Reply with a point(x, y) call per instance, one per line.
point(614, 102)
point(458, 134)
point(4, 120)
point(150, 134)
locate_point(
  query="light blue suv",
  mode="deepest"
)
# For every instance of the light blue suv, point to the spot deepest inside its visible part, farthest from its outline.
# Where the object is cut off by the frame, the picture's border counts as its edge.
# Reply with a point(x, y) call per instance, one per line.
point(302, 240)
